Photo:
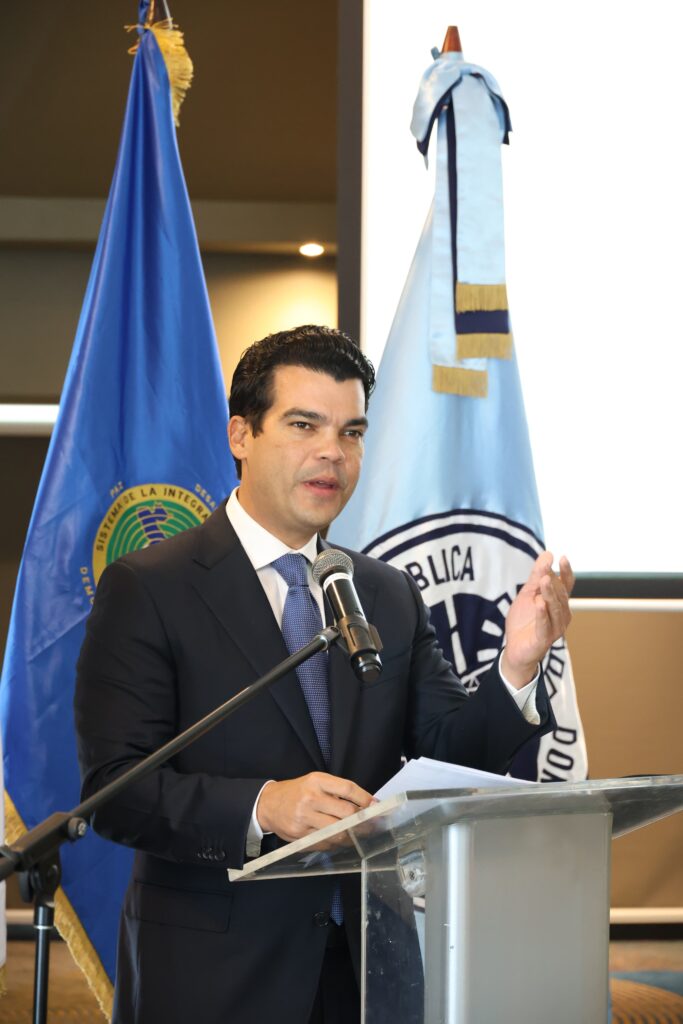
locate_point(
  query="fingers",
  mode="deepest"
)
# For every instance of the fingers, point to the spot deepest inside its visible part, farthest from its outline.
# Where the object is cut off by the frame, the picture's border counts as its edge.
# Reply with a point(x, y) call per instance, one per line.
point(567, 574)
point(335, 808)
point(344, 789)
point(337, 798)
point(541, 567)
point(552, 605)
point(544, 564)
point(538, 616)
point(296, 807)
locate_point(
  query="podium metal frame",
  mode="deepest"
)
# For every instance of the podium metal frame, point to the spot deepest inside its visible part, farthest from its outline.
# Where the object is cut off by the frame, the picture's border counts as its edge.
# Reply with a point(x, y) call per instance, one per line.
point(483, 905)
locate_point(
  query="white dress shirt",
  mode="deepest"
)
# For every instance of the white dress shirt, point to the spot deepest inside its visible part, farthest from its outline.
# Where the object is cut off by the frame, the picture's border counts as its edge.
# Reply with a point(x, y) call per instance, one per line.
point(262, 548)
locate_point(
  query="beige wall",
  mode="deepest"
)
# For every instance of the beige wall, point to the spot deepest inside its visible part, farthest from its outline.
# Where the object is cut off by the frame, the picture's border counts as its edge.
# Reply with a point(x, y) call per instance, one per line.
point(40, 297)
point(629, 678)
point(251, 295)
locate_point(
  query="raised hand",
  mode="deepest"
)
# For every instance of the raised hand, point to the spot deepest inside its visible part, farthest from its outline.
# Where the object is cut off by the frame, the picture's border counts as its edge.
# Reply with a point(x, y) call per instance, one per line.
point(538, 617)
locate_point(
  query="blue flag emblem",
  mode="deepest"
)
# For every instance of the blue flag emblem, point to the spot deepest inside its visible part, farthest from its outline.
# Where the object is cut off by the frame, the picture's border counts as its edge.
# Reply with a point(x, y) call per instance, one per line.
point(139, 452)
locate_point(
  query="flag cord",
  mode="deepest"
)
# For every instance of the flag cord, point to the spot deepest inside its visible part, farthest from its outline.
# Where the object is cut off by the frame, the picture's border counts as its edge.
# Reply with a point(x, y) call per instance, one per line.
point(151, 12)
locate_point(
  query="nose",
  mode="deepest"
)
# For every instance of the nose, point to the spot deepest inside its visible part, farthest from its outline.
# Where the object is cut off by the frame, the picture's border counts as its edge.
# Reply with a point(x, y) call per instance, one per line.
point(330, 447)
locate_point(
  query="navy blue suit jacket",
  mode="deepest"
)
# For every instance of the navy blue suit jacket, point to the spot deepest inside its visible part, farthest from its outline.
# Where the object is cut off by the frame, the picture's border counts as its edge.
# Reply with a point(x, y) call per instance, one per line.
point(175, 630)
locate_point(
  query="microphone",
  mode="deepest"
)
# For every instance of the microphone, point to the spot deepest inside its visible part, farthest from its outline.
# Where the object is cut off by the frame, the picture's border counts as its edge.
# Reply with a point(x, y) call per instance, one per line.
point(333, 570)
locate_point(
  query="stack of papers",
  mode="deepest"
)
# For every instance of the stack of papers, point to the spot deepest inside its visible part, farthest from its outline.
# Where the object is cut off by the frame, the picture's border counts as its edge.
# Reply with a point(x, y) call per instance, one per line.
point(425, 773)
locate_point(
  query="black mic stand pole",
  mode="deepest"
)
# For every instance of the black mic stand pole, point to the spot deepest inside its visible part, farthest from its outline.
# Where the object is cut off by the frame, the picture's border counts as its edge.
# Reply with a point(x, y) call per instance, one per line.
point(35, 855)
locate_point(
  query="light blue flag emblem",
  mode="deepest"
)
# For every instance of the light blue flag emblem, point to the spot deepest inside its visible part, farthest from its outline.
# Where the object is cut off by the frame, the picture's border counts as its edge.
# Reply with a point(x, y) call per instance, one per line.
point(448, 492)
point(139, 452)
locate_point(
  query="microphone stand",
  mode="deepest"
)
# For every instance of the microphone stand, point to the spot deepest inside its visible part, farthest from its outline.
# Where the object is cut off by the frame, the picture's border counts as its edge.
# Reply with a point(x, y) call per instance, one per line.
point(35, 855)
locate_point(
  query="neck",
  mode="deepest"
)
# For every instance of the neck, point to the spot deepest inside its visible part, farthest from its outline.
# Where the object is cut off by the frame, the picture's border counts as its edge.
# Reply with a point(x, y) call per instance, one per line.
point(295, 540)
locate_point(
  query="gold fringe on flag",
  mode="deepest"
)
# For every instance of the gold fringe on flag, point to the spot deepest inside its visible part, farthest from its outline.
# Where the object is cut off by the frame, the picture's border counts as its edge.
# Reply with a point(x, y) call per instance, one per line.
point(476, 298)
point(484, 346)
point(454, 380)
point(69, 926)
point(84, 953)
point(3, 981)
point(171, 42)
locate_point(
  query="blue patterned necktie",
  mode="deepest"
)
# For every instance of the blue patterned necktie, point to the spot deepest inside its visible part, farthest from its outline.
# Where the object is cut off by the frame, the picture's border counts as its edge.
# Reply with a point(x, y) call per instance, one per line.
point(300, 623)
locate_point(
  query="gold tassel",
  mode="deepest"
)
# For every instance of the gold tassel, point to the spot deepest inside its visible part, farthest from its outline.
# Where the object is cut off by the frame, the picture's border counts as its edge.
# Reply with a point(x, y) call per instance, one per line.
point(484, 346)
point(83, 952)
point(454, 380)
point(476, 298)
point(178, 64)
point(69, 926)
point(3, 981)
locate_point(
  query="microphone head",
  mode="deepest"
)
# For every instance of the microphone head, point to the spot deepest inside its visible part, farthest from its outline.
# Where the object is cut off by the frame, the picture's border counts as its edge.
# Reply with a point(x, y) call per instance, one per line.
point(330, 561)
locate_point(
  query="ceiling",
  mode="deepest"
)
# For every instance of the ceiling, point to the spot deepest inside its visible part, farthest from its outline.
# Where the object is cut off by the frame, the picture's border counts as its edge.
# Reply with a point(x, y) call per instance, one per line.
point(258, 124)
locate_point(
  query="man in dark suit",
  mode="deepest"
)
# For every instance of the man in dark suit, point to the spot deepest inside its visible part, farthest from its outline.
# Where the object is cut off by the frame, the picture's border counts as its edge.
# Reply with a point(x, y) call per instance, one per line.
point(178, 628)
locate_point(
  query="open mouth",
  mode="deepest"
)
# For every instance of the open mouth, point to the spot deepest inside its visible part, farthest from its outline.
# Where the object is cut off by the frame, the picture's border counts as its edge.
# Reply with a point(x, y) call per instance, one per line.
point(321, 484)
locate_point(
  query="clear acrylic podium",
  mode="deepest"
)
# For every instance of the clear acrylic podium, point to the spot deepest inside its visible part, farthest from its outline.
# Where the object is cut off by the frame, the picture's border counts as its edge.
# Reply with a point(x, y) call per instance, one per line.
point(483, 905)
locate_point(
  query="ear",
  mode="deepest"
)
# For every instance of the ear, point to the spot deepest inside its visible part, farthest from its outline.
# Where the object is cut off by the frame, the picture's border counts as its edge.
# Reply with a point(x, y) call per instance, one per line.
point(239, 432)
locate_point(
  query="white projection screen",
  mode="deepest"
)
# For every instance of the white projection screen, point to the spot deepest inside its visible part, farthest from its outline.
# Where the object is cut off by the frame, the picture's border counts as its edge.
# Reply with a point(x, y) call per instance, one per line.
point(593, 183)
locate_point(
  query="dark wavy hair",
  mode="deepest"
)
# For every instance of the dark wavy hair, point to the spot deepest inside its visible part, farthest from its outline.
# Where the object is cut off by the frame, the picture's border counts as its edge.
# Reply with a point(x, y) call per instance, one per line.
point(322, 349)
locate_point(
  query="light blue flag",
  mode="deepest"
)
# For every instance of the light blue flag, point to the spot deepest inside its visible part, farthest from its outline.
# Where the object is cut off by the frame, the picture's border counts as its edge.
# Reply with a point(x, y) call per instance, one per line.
point(448, 492)
point(139, 452)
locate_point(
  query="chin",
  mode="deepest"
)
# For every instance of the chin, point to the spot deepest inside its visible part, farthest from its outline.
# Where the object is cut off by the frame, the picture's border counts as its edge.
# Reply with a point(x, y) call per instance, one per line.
point(318, 524)
point(323, 512)
point(321, 523)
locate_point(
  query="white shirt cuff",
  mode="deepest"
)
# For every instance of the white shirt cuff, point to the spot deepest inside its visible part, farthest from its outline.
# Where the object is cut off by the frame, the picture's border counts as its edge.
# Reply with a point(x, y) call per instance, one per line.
point(255, 833)
point(525, 699)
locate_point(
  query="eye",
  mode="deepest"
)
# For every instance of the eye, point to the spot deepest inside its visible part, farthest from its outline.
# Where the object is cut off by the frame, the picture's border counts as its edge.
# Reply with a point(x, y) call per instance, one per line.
point(355, 434)
point(301, 425)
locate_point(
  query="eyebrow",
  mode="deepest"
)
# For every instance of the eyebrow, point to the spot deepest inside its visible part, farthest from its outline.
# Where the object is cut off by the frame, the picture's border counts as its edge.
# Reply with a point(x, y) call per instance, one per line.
point(316, 417)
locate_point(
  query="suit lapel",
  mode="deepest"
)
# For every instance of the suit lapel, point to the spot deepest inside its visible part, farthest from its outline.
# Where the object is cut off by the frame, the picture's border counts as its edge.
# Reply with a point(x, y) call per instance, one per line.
point(232, 590)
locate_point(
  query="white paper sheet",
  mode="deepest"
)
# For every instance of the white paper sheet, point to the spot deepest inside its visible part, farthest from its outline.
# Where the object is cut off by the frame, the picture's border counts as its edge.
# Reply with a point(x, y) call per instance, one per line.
point(425, 773)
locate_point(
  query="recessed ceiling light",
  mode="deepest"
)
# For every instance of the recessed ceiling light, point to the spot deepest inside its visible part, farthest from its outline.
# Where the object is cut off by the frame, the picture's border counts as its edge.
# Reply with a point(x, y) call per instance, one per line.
point(311, 249)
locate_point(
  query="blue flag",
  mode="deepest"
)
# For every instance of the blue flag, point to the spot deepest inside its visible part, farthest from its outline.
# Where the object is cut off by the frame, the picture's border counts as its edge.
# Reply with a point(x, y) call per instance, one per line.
point(447, 491)
point(139, 452)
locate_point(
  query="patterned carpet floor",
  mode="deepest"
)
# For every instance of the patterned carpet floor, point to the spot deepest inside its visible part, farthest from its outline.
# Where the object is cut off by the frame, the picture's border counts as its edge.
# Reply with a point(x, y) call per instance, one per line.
point(646, 984)
point(70, 999)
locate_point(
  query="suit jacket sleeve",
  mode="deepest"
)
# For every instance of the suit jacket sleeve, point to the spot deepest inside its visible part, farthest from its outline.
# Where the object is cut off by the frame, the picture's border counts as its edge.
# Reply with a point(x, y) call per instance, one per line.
point(125, 706)
point(482, 730)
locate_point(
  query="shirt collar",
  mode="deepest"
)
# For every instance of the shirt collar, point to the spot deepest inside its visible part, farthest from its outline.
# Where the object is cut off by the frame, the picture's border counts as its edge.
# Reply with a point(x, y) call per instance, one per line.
point(262, 547)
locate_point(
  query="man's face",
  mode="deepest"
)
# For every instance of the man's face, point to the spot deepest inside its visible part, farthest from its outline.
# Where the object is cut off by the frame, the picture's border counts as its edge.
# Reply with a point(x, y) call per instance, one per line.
point(299, 471)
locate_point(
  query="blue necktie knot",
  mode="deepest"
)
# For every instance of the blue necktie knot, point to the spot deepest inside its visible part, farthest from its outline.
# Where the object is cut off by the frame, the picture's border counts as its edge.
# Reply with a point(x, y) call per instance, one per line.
point(293, 569)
